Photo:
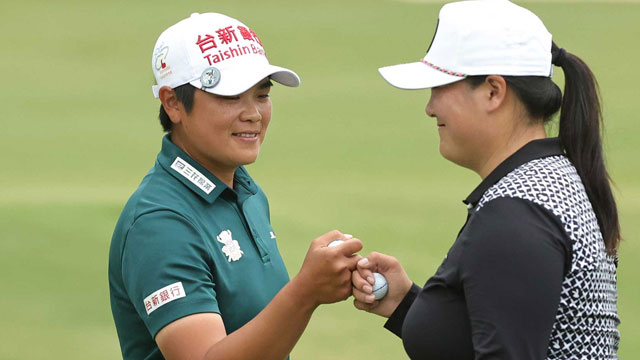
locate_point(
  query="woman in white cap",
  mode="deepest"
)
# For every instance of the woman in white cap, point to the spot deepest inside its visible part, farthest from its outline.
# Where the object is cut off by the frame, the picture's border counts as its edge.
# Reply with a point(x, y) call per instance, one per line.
point(532, 273)
point(194, 268)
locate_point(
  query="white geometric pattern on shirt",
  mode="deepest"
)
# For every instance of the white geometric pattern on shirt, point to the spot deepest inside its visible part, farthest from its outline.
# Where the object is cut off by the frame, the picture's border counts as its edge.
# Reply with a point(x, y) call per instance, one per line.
point(585, 326)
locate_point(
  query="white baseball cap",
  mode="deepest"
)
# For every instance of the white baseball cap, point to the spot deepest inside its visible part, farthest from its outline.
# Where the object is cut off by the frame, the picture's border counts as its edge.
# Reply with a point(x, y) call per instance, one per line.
point(215, 53)
point(478, 37)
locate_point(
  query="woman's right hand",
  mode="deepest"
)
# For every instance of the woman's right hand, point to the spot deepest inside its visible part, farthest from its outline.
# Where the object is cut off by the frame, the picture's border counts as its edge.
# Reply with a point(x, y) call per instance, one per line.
point(362, 279)
point(325, 276)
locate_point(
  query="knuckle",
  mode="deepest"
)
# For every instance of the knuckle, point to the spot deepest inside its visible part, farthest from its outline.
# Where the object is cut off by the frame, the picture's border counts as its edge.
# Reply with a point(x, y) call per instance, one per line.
point(346, 292)
point(335, 267)
point(358, 305)
point(355, 293)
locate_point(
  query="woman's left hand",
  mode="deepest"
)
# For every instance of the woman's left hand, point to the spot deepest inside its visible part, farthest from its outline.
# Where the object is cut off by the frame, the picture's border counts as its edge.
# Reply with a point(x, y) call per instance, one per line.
point(362, 279)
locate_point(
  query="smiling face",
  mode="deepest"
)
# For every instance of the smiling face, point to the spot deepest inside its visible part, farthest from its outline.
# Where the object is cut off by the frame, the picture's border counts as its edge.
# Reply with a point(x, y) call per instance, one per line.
point(465, 135)
point(481, 122)
point(225, 132)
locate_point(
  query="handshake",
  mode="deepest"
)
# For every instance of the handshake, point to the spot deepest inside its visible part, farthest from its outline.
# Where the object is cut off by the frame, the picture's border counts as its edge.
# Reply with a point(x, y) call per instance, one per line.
point(332, 271)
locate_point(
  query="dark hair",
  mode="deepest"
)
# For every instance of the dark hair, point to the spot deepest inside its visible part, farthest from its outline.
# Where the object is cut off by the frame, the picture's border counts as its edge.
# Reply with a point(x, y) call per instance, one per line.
point(184, 93)
point(579, 130)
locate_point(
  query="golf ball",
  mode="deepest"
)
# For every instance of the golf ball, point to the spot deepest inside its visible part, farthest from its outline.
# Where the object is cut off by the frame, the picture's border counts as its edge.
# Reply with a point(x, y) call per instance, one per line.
point(380, 286)
point(335, 243)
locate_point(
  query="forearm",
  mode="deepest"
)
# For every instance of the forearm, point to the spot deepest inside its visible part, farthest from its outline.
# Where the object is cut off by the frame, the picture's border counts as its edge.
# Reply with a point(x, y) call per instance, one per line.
point(273, 333)
point(325, 278)
point(395, 321)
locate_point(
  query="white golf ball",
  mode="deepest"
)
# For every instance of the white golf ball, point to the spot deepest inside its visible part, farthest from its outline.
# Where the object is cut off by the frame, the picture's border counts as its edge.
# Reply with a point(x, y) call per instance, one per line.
point(380, 286)
point(335, 243)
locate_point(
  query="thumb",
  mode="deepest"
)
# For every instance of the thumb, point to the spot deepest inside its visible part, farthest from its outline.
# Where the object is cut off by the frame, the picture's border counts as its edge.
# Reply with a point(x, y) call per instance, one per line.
point(351, 246)
point(379, 262)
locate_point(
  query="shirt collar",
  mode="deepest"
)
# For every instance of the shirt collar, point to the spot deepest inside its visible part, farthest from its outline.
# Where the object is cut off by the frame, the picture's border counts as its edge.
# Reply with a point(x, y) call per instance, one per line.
point(535, 149)
point(195, 176)
point(244, 185)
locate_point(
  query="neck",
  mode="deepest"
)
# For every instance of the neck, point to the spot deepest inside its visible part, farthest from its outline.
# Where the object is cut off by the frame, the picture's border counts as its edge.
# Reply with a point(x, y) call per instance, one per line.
point(506, 148)
point(226, 178)
point(225, 175)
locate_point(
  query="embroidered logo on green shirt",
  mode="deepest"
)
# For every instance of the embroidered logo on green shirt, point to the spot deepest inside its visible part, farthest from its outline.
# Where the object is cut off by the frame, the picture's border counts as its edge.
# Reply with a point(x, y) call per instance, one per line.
point(231, 247)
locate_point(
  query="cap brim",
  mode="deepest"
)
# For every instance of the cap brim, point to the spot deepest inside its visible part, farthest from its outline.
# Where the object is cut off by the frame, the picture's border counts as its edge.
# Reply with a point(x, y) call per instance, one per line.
point(235, 81)
point(417, 75)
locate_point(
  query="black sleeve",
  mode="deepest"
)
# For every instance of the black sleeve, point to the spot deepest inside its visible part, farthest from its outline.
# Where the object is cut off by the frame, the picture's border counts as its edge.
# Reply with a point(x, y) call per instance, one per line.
point(514, 259)
point(394, 324)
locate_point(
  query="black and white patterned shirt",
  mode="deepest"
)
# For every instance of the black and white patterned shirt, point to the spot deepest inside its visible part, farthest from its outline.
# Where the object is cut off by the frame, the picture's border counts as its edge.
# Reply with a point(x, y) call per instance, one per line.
point(528, 276)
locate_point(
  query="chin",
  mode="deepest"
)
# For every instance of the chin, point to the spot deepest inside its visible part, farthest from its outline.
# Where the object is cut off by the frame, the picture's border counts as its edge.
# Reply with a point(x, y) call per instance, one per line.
point(443, 152)
point(248, 159)
point(449, 155)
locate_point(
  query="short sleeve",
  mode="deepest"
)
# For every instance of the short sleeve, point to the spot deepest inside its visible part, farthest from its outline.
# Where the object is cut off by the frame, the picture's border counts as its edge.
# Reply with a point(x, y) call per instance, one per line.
point(512, 268)
point(166, 269)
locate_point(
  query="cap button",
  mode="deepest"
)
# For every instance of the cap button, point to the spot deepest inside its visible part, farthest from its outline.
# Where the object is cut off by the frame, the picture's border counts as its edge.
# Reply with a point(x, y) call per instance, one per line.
point(195, 14)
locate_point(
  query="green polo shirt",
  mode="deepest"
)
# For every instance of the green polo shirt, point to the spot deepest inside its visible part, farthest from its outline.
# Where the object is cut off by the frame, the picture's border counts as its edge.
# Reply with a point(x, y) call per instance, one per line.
point(186, 243)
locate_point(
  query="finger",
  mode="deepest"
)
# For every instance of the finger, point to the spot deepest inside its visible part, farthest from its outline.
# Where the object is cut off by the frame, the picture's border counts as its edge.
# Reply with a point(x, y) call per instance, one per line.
point(360, 305)
point(366, 263)
point(364, 306)
point(365, 273)
point(351, 246)
point(352, 262)
point(363, 297)
point(357, 280)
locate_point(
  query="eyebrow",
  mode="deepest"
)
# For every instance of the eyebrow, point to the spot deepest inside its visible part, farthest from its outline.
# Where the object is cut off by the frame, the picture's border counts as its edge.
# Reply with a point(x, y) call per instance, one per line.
point(266, 84)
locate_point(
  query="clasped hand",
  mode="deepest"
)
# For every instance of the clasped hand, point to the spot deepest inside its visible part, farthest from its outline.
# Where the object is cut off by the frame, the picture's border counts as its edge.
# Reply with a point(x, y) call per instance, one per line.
point(333, 273)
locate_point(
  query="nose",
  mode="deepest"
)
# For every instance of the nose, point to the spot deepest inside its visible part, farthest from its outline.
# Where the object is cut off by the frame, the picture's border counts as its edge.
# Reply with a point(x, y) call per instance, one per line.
point(429, 108)
point(251, 112)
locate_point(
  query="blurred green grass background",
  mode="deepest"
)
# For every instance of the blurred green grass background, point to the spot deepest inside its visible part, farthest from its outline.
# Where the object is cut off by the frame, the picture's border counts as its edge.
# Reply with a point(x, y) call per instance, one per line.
point(345, 150)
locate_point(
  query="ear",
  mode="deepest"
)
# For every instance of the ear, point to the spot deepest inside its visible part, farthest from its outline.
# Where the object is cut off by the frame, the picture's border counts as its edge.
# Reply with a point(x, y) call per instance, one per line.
point(172, 106)
point(497, 91)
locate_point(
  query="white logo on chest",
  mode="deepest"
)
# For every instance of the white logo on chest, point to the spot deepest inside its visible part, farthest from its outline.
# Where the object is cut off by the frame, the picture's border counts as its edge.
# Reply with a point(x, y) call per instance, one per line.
point(231, 247)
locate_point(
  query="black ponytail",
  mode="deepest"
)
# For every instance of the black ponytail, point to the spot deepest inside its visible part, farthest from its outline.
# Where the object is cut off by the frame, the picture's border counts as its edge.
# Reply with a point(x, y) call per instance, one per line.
point(579, 131)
